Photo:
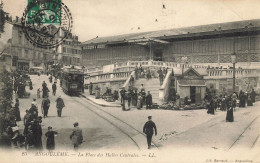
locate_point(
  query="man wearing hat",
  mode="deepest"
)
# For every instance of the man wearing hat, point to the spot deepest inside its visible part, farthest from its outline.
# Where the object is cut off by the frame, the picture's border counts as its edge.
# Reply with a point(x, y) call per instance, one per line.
point(76, 136)
point(54, 88)
point(59, 105)
point(148, 130)
point(45, 106)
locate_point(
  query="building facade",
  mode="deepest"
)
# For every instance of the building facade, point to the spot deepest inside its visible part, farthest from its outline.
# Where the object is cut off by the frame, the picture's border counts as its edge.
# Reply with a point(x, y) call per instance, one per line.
point(69, 52)
point(212, 43)
point(25, 55)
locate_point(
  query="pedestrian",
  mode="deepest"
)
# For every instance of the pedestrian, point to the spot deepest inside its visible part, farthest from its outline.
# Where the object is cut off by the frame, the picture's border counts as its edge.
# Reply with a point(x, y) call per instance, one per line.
point(50, 143)
point(148, 129)
point(30, 85)
point(59, 105)
point(15, 85)
point(37, 133)
point(149, 101)
point(229, 116)
point(122, 94)
point(139, 101)
point(134, 98)
point(142, 88)
point(45, 91)
point(45, 106)
point(160, 73)
point(50, 79)
point(54, 88)
point(44, 84)
point(38, 93)
point(26, 117)
point(76, 136)
point(136, 73)
point(90, 88)
point(249, 101)
point(129, 97)
point(33, 111)
point(17, 110)
point(253, 95)
point(148, 74)
point(210, 106)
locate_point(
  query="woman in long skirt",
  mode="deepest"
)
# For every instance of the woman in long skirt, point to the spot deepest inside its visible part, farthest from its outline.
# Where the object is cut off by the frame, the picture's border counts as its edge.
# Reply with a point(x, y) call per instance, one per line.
point(230, 116)
point(139, 101)
point(17, 110)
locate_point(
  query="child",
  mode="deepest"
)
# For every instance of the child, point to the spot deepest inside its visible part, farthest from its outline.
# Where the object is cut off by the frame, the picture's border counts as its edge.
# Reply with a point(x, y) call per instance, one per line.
point(50, 144)
point(38, 93)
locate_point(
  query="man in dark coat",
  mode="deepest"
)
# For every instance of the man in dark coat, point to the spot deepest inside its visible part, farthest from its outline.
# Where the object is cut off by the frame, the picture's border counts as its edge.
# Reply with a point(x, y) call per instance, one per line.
point(54, 88)
point(149, 100)
point(76, 136)
point(50, 143)
point(45, 106)
point(148, 130)
point(59, 105)
point(122, 93)
point(90, 88)
point(45, 91)
point(252, 95)
point(44, 84)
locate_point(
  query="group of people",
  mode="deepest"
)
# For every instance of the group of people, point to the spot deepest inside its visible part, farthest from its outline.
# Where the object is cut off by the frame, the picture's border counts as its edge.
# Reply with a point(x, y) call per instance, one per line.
point(31, 138)
point(140, 72)
point(133, 98)
point(228, 102)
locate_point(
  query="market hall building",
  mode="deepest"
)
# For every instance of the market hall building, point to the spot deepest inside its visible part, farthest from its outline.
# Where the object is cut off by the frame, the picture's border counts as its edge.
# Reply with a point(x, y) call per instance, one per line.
point(212, 43)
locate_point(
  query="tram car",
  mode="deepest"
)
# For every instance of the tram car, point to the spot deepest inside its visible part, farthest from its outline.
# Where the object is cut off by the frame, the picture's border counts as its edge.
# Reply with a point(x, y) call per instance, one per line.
point(72, 80)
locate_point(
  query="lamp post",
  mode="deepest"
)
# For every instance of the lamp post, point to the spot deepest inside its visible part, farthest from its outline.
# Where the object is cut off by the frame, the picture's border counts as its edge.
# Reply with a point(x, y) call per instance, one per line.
point(233, 60)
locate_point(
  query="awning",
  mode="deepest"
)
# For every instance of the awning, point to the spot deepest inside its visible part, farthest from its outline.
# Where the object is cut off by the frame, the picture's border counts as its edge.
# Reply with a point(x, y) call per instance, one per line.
point(188, 83)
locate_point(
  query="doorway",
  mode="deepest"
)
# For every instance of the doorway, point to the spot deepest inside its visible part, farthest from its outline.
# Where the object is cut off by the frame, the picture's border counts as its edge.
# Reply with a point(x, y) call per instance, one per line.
point(158, 56)
point(193, 94)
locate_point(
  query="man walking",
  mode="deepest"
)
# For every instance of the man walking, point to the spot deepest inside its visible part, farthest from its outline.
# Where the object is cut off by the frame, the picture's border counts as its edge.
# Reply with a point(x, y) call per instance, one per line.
point(54, 88)
point(59, 105)
point(148, 130)
point(45, 106)
point(76, 136)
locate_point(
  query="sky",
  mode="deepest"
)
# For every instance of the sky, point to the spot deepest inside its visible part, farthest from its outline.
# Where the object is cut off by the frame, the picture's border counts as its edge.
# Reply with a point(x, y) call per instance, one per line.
point(101, 18)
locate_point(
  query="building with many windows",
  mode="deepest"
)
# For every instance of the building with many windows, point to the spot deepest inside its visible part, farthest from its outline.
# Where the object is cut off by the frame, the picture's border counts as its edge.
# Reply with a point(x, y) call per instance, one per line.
point(25, 55)
point(212, 43)
point(69, 51)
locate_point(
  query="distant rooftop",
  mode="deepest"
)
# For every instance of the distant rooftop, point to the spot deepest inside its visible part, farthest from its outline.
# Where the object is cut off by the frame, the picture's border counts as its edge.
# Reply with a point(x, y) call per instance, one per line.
point(255, 23)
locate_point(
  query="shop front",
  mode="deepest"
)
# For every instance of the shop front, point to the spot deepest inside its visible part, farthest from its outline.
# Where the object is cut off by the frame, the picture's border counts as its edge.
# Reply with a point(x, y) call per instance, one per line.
point(191, 84)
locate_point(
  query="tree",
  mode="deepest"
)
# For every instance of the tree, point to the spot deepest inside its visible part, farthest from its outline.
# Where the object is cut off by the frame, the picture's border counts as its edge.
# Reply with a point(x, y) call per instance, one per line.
point(6, 91)
point(2, 17)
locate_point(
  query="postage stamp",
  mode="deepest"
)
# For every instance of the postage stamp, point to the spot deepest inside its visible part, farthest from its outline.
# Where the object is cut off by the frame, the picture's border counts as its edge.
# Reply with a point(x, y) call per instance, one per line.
point(46, 23)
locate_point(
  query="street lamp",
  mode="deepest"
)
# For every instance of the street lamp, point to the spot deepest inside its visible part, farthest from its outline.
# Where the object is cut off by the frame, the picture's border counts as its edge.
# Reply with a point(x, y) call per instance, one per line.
point(233, 60)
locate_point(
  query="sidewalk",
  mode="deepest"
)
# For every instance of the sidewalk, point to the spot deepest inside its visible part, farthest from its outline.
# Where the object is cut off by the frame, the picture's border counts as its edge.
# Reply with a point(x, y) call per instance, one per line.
point(188, 128)
point(101, 101)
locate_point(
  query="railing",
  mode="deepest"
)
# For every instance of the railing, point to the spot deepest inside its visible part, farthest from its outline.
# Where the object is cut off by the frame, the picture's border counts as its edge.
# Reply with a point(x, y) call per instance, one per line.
point(164, 89)
point(228, 73)
point(127, 82)
point(128, 66)
point(107, 77)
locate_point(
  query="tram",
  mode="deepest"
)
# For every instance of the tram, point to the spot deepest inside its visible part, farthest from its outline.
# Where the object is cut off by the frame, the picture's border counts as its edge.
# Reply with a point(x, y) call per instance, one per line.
point(72, 80)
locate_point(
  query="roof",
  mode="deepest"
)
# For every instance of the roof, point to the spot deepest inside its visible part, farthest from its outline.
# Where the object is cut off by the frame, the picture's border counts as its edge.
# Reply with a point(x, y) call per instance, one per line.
point(187, 83)
point(177, 31)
